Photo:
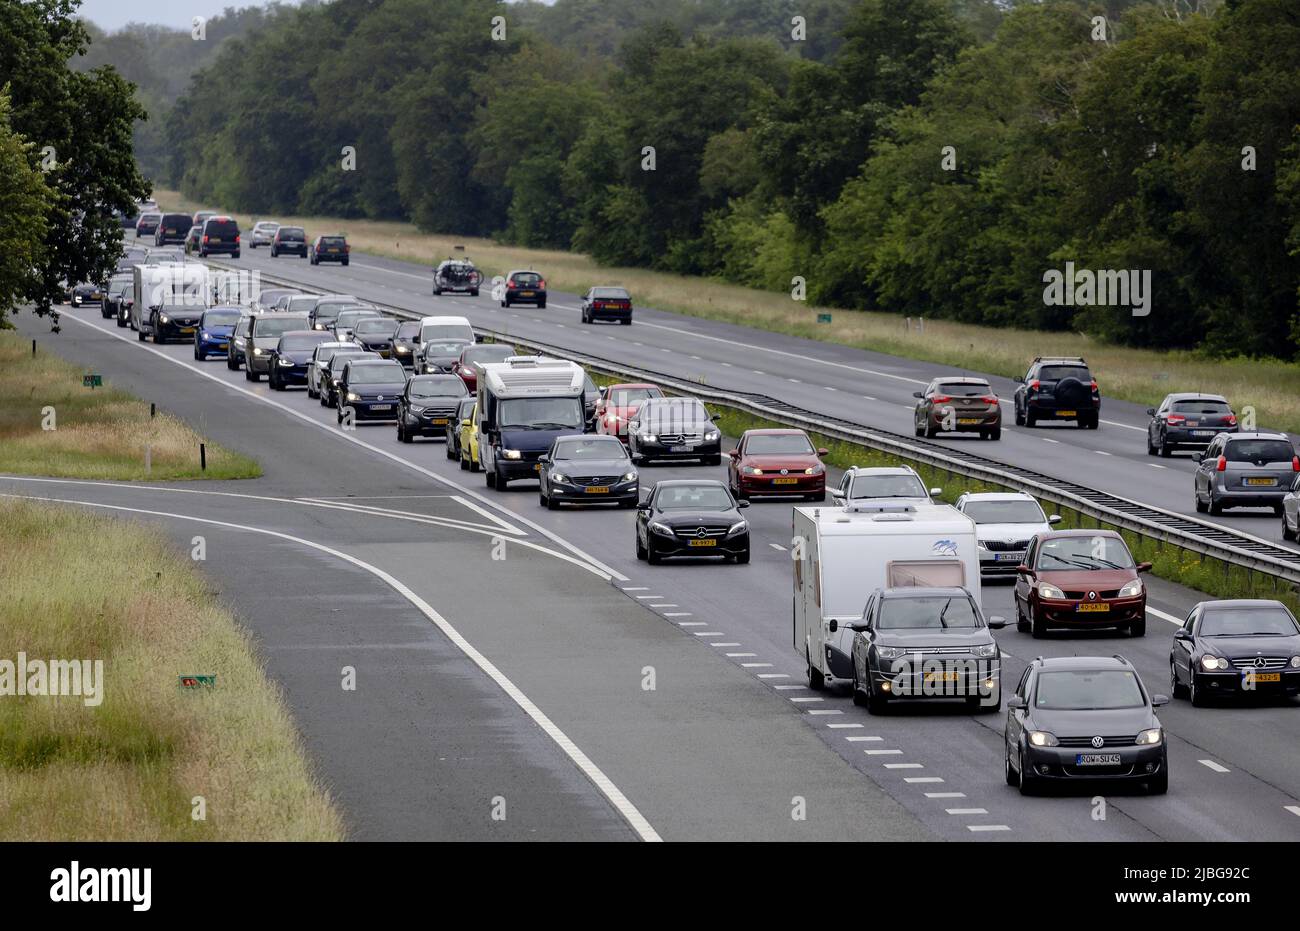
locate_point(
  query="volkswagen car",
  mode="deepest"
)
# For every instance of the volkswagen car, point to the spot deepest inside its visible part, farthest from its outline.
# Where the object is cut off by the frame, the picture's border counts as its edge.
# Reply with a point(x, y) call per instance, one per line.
point(957, 405)
point(369, 388)
point(776, 463)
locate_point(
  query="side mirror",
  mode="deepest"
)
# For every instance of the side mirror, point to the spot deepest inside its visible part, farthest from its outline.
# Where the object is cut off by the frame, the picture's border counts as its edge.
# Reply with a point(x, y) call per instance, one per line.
point(997, 623)
point(1182, 634)
point(917, 394)
point(1158, 700)
point(643, 505)
point(717, 415)
point(467, 423)
point(833, 625)
point(1151, 411)
point(822, 451)
point(742, 504)
point(1015, 703)
point(1144, 567)
point(543, 458)
point(1019, 380)
point(1022, 569)
point(936, 492)
point(837, 494)
point(1054, 519)
point(733, 453)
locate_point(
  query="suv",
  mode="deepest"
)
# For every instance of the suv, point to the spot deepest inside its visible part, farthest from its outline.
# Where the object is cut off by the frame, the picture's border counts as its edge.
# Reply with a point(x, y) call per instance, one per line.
point(524, 287)
point(457, 275)
point(264, 332)
point(1188, 421)
point(1251, 470)
point(328, 249)
point(172, 228)
point(289, 239)
point(883, 485)
point(220, 235)
point(1058, 389)
point(1084, 718)
point(1081, 579)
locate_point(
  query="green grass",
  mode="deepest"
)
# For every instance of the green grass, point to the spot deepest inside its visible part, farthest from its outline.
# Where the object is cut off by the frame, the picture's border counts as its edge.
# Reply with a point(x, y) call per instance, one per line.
point(80, 586)
point(99, 433)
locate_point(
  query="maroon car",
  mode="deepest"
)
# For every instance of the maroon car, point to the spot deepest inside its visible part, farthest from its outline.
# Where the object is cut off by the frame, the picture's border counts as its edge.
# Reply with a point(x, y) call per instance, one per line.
point(776, 462)
point(1080, 579)
point(473, 358)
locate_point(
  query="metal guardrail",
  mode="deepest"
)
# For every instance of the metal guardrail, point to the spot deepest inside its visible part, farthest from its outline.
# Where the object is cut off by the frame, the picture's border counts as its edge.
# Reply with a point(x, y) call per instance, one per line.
point(1197, 536)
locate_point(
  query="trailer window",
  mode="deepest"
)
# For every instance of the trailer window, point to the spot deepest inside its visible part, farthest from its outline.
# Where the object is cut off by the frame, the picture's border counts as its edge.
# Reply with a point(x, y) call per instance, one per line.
point(936, 574)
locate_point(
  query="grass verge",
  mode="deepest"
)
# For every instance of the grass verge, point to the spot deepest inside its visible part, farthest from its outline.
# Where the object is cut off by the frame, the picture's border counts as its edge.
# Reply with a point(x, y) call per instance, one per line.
point(98, 433)
point(1270, 386)
point(130, 768)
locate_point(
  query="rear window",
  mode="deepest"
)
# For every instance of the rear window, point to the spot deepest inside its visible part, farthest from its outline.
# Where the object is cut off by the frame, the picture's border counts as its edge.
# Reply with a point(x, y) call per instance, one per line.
point(332, 240)
point(1259, 451)
point(301, 340)
point(179, 221)
point(525, 279)
point(276, 325)
point(431, 332)
point(1195, 406)
point(292, 233)
point(1058, 372)
point(611, 294)
point(964, 390)
point(221, 228)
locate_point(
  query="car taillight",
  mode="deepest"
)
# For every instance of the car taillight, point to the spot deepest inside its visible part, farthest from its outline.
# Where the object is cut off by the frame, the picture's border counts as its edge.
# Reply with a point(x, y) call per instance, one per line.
point(1222, 464)
point(1295, 463)
point(541, 285)
point(941, 399)
point(1094, 387)
point(205, 240)
point(236, 239)
point(1033, 385)
point(1175, 418)
point(1231, 420)
point(990, 399)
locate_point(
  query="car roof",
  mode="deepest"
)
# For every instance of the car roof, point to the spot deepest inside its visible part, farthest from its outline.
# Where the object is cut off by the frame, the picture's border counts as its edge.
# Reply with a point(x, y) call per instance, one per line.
point(522, 271)
point(436, 376)
point(1242, 603)
point(631, 384)
point(1081, 532)
point(855, 471)
point(1258, 435)
point(1083, 662)
point(675, 482)
point(997, 496)
point(1194, 395)
point(961, 380)
point(773, 431)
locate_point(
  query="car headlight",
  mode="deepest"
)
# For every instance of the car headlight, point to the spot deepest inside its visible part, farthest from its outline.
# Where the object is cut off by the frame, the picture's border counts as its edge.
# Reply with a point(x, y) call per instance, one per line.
point(1295, 662)
point(750, 470)
point(813, 470)
point(889, 652)
point(1150, 737)
point(404, 350)
point(711, 436)
point(511, 453)
point(985, 649)
point(661, 528)
point(737, 527)
point(648, 437)
point(1210, 663)
point(353, 396)
point(204, 333)
point(416, 409)
point(1049, 591)
point(1131, 589)
point(259, 352)
point(560, 477)
point(631, 477)
point(163, 318)
point(284, 361)
point(1043, 739)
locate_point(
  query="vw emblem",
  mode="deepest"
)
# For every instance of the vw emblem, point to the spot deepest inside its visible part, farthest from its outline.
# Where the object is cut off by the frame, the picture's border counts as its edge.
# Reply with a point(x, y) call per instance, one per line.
point(785, 471)
point(1261, 662)
point(1097, 742)
point(701, 532)
point(1092, 596)
point(381, 397)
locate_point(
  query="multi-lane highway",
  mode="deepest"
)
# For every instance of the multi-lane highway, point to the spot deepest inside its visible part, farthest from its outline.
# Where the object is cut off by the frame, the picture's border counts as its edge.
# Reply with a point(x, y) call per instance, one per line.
point(730, 737)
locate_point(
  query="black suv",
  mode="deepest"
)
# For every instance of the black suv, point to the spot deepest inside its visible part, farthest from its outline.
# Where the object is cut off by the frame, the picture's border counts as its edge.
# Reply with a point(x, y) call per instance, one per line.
point(172, 228)
point(220, 236)
point(1058, 389)
point(289, 239)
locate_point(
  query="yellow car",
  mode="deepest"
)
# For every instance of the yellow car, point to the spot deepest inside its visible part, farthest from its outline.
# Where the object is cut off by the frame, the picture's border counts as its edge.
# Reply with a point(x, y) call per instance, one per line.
point(469, 442)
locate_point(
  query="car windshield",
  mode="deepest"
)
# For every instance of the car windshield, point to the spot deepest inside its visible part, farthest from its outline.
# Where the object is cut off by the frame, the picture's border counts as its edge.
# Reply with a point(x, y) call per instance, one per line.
point(963, 389)
point(1058, 372)
point(779, 444)
point(675, 415)
point(300, 303)
point(272, 325)
point(376, 327)
point(623, 397)
point(693, 497)
point(349, 318)
point(927, 611)
point(610, 294)
point(593, 448)
point(328, 310)
point(221, 318)
point(465, 407)
point(342, 357)
point(432, 332)
point(1088, 690)
point(1084, 552)
point(1195, 406)
point(408, 330)
point(482, 354)
point(444, 347)
point(450, 387)
point(376, 373)
point(267, 227)
point(299, 341)
point(1259, 451)
point(1248, 622)
point(1004, 512)
point(325, 354)
point(886, 486)
point(540, 414)
point(271, 295)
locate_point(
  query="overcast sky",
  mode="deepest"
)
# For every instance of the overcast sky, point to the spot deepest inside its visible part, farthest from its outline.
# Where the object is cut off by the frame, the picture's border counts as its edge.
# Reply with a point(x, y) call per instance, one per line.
point(114, 14)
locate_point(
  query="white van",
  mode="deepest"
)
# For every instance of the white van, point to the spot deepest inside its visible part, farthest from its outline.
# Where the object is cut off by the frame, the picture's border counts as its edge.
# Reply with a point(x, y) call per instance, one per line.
point(842, 554)
point(445, 328)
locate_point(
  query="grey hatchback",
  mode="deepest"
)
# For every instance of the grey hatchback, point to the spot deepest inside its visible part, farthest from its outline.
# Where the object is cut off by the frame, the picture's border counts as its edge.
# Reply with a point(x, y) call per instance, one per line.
point(1245, 470)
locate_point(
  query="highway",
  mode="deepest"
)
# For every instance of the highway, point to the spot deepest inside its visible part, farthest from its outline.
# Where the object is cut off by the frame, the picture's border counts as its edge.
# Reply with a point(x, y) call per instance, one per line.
point(731, 735)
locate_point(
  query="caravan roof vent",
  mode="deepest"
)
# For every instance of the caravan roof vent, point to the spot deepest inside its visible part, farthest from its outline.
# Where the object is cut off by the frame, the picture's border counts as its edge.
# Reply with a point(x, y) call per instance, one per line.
point(861, 506)
point(889, 516)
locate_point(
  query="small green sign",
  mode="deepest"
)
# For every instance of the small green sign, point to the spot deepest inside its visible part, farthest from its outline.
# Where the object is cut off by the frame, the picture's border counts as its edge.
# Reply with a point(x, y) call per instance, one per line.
point(195, 682)
point(92, 381)
point(823, 318)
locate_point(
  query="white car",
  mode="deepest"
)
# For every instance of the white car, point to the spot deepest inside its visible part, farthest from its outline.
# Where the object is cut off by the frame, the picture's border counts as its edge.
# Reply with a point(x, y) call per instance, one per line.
point(263, 232)
point(886, 486)
point(1005, 522)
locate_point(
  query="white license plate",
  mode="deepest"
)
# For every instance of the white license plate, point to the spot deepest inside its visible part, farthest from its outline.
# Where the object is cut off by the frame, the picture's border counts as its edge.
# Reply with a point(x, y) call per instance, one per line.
point(679, 449)
point(1096, 759)
point(1202, 433)
point(381, 407)
point(1008, 557)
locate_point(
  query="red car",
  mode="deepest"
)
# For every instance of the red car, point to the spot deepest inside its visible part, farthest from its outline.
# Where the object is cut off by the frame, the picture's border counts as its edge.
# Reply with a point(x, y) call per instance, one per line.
point(1081, 579)
point(776, 462)
point(473, 358)
point(618, 403)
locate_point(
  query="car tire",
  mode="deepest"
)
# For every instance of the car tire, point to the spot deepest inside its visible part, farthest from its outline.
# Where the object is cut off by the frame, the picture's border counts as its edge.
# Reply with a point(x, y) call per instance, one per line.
point(551, 503)
point(541, 306)
point(1138, 628)
point(918, 429)
point(1166, 450)
point(1028, 783)
point(627, 322)
point(1200, 505)
point(1176, 688)
point(1287, 532)
point(1215, 507)
point(1194, 695)
point(1020, 418)
point(929, 431)
point(877, 704)
point(1278, 510)
point(272, 380)
point(816, 681)
point(1022, 624)
point(251, 375)
point(1037, 629)
point(640, 549)
point(819, 496)
point(713, 460)
point(452, 451)
point(491, 479)
point(1151, 449)
point(139, 335)
point(651, 556)
point(230, 361)
point(464, 464)
point(858, 698)
point(1012, 777)
point(505, 303)
point(157, 337)
point(1030, 420)
point(403, 435)
point(198, 356)
point(739, 495)
point(473, 293)
point(345, 262)
point(585, 318)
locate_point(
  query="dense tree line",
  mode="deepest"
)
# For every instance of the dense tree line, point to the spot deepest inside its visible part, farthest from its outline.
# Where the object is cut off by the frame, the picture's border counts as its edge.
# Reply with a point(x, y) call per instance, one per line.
point(930, 157)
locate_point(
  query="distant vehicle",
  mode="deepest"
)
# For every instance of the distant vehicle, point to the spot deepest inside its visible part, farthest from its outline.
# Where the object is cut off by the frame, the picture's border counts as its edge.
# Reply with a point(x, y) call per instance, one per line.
point(121, 301)
point(262, 234)
point(1085, 718)
point(220, 237)
point(944, 623)
point(691, 518)
point(128, 220)
point(457, 276)
point(884, 486)
point(674, 428)
point(776, 463)
point(1082, 580)
point(111, 292)
point(147, 204)
point(607, 303)
point(619, 403)
point(1234, 649)
point(1291, 511)
point(291, 357)
point(473, 357)
point(428, 405)
point(375, 334)
point(958, 405)
point(1005, 523)
point(329, 387)
point(236, 350)
point(1188, 421)
point(192, 239)
point(174, 321)
point(202, 216)
point(1058, 388)
point(86, 293)
point(216, 326)
point(147, 225)
point(524, 403)
point(464, 411)
point(295, 304)
point(266, 299)
point(587, 470)
point(369, 388)
point(1245, 470)
point(328, 307)
point(328, 249)
point(318, 371)
point(524, 287)
point(406, 344)
point(264, 332)
point(289, 240)
point(172, 228)
point(469, 460)
point(346, 321)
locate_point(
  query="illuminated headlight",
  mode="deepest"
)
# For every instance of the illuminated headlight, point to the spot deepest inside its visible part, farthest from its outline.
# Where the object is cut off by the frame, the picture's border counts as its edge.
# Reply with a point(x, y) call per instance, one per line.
point(319, 326)
point(258, 352)
point(750, 470)
point(661, 528)
point(985, 649)
point(560, 477)
point(403, 350)
point(737, 527)
point(1295, 662)
point(1150, 737)
point(1210, 663)
point(890, 652)
point(164, 319)
point(286, 361)
point(1049, 591)
point(353, 396)
point(631, 477)
point(711, 436)
point(1131, 589)
point(511, 453)
point(648, 437)
point(814, 470)
point(205, 334)
point(1043, 739)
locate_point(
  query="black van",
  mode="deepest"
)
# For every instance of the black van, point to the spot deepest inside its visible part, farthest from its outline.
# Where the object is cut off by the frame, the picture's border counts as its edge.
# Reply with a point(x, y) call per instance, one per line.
point(220, 236)
point(172, 228)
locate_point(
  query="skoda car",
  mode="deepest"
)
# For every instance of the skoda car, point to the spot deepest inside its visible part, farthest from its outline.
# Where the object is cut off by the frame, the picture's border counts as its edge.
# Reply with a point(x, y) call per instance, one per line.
point(1081, 579)
point(291, 357)
point(369, 388)
point(427, 405)
point(777, 463)
point(1235, 648)
point(674, 428)
point(682, 517)
point(1084, 718)
point(215, 329)
point(587, 469)
point(1005, 522)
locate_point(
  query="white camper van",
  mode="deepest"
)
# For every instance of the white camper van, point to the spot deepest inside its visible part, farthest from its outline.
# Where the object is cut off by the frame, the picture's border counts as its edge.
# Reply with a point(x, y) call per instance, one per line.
point(843, 554)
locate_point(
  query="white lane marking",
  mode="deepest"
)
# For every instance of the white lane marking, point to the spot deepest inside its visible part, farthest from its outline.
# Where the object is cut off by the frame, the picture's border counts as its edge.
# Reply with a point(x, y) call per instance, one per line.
point(757, 372)
point(596, 565)
point(392, 512)
point(794, 381)
point(584, 763)
point(739, 655)
point(1165, 617)
point(967, 811)
point(719, 643)
point(1294, 809)
point(640, 588)
point(644, 597)
point(773, 675)
point(783, 688)
point(658, 606)
point(945, 795)
point(860, 737)
point(1046, 440)
point(688, 623)
point(725, 365)
point(987, 827)
point(709, 633)
point(756, 665)
point(922, 779)
point(1210, 764)
point(900, 765)
point(777, 546)
point(695, 357)
point(868, 397)
point(478, 509)
point(1155, 466)
point(808, 699)
point(892, 753)
point(1101, 452)
point(680, 614)
point(844, 725)
point(825, 711)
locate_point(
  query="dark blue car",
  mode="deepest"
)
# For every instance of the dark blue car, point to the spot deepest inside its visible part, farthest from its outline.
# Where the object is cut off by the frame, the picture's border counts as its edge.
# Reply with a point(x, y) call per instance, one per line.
point(212, 337)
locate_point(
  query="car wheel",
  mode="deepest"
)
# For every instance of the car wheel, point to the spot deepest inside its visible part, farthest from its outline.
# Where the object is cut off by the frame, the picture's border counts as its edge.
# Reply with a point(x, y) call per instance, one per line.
point(1012, 777)
point(929, 431)
point(627, 322)
point(1287, 532)
point(1279, 510)
point(251, 375)
point(1200, 505)
point(651, 556)
point(505, 303)
point(1030, 420)
point(877, 704)
point(464, 464)
point(1151, 449)
point(541, 306)
point(157, 337)
point(858, 698)
point(585, 319)
point(1028, 783)
point(1020, 418)
point(403, 436)
point(1022, 624)
point(452, 451)
point(1166, 450)
point(1159, 784)
point(640, 549)
point(816, 681)
point(1138, 628)
point(551, 503)
point(918, 429)
point(1194, 695)
point(1215, 507)
point(819, 496)
point(1176, 688)
point(1037, 629)
point(235, 254)
point(474, 293)
point(345, 262)
point(230, 361)
point(713, 460)
point(198, 356)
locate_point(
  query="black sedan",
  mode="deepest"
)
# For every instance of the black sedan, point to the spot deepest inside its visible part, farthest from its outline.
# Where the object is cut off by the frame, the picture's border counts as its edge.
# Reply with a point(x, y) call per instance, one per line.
point(369, 389)
point(292, 356)
point(607, 304)
point(1084, 719)
point(428, 405)
point(1188, 421)
point(691, 518)
point(1230, 648)
point(328, 390)
point(375, 334)
point(406, 342)
point(86, 293)
point(439, 356)
point(587, 469)
point(674, 428)
point(464, 407)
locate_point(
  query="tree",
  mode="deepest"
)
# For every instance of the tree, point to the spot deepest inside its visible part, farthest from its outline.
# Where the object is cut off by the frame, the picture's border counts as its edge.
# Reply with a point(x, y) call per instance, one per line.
point(24, 202)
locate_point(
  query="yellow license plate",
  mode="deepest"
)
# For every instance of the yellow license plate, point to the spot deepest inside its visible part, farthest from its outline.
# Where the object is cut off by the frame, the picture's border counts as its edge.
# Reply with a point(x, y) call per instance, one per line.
point(1094, 608)
point(440, 421)
point(968, 421)
point(1263, 677)
point(187, 329)
point(525, 293)
point(936, 676)
point(1067, 413)
point(537, 467)
point(704, 543)
point(597, 489)
point(1261, 481)
point(785, 481)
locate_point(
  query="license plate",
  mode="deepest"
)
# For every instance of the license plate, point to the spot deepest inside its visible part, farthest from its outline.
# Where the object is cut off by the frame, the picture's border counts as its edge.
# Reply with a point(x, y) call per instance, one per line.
point(597, 489)
point(537, 467)
point(526, 294)
point(331, 250)
point(440, 421)
point(1091, 608)
point(1202, 433)
point(785, 481)
point(1261, 481)
point(1251, 678)
point(968, 421)
point(1008, 557)
point(1096, 759)
point(679, 449)
point(1067, 413)
point(940, 676)
point(187, 329)
point(169, 230)
point(703, 543)
point(381, 407)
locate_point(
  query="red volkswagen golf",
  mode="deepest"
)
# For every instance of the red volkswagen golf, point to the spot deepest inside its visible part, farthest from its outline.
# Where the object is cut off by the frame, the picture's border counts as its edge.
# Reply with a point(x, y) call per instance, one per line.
point(777, 462)
point(1080, 579)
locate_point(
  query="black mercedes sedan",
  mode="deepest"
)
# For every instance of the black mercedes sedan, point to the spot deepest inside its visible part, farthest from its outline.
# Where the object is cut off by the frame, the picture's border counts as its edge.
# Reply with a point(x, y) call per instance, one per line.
point(1235, 648)
point(427, 405)
point(375, 334)
point(587, 469)
point(691, 518)
point(292, 356)
point(438, 356)
point(369, 388)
